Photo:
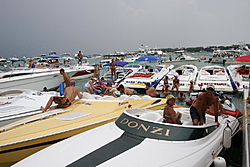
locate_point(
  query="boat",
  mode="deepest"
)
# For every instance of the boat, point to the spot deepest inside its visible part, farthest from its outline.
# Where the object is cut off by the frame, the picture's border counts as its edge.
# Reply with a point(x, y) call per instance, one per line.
point(140, 138)
point(185, 74)
point(83, 71)
point(227, 105)
point(33, 78)
point(151, 74)
point(122, 71)
point(181, 57)
point(213, 74)
point(240, 80)
point(29, 135)
point(24, 104)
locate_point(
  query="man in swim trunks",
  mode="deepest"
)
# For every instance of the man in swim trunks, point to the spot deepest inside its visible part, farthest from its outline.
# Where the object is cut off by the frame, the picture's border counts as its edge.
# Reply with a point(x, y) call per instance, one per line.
point(65, 101)
point(66, 77)
point(204, 101)
point(80, 56)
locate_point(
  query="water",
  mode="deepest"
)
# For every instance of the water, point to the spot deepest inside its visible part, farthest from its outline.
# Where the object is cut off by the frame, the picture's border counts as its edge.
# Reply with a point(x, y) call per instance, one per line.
point(233, 155)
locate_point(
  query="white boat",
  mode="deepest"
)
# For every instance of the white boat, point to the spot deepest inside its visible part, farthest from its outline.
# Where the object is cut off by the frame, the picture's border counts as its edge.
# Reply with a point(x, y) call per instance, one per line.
point(140, 138)
point(185, 74)
point(83, 71)
point(8, 94)
point(25, 104)
point(216, 75)
point(241, 81)
point(33, 78)
point(122, 71)
point(181, 56)
point(149, 74)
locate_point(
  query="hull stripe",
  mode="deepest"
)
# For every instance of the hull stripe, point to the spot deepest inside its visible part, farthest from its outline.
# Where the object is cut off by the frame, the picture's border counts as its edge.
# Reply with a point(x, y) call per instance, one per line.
point(125, 142)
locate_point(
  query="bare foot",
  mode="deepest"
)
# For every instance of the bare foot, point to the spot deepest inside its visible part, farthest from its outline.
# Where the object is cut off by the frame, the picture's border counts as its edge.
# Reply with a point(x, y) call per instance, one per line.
point(42, 108)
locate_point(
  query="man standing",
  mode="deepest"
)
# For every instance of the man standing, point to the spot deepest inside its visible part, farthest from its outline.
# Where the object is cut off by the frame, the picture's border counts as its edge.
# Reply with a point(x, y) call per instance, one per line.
point(66, 100)
point(66, 77)
point(205, 100)
point(80, 56)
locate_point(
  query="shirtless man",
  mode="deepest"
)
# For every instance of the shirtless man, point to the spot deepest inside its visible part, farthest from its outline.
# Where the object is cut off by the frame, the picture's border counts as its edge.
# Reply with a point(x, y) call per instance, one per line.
point(65, 77)
point(169, 114)
point(204, 101)
point(113, 68)
point(151, 91)
point(126, 91)
point(66, 100)
point(80, 56)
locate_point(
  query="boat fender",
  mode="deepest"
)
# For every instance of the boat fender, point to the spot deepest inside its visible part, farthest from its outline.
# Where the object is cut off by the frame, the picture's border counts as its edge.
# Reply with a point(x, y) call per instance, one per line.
point(220, 162)
point(227, 137)
point(61, 89)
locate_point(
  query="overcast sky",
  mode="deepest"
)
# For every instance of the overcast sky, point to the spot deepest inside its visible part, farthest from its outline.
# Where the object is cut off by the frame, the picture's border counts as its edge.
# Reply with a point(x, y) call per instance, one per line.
point(32, 27)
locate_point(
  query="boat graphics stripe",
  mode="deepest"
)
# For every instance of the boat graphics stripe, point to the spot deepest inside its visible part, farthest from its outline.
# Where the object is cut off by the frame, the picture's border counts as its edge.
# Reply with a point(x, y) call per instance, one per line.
point(31, 146)
point(125, 142)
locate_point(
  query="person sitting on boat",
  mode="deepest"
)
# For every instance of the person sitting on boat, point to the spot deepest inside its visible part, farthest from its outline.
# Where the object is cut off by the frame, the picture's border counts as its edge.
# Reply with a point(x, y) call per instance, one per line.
point(182, 96)
point(243, 70)
point(90, 86)
point(151, 91)
point(113, 68)
point(111, 91)
point(223, 97)
point(191, 87)
point(169, 114)
point(203, 102)
point(126, 91)
point(65, 101)
point(176, 84)
point(32, 64)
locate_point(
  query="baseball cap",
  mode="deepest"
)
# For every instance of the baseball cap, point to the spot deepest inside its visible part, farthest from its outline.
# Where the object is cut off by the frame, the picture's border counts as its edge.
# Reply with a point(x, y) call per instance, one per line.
point(211, 86)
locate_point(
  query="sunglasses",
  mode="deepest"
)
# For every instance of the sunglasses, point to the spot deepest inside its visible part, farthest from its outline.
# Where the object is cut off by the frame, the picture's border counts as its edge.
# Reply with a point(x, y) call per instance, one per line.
point(210, 89)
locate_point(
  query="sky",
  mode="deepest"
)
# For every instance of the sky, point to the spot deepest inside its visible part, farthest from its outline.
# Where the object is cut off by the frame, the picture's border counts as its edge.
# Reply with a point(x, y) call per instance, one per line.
point(32, 27)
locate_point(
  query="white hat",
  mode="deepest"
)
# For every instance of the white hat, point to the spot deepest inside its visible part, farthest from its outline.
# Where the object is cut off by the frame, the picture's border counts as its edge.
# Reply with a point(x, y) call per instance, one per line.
point(210, 86)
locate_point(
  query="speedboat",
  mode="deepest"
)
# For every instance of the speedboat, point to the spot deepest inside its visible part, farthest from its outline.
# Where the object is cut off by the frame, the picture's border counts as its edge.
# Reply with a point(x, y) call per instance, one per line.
point(140, 138)
point(33, 78)
point(185, 74)
point(83, 71)
point(149, 74)
point(122, 71)
point(181, 57)
point(25, 104)
point(29, 135)
point(216, 75)
point(240, 81)
point(227, 105)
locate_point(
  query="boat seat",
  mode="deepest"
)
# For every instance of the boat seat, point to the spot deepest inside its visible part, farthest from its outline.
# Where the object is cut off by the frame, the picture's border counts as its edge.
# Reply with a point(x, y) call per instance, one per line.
point(152, 116)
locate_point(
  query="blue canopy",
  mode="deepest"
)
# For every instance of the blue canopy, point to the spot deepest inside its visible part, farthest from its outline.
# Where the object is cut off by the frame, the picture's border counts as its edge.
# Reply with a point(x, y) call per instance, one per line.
point(119, 63)
point(52, 56)
point(149, 58)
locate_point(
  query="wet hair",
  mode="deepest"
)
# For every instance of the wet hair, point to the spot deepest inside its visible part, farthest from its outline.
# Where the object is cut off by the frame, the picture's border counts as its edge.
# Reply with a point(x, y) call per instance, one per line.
point(121, 87)
point(62, 70)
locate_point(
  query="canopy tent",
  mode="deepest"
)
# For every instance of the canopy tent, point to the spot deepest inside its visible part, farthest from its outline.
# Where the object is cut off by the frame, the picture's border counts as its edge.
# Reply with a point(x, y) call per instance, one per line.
point(243, 58)
point(119, 63)
point(148, 58)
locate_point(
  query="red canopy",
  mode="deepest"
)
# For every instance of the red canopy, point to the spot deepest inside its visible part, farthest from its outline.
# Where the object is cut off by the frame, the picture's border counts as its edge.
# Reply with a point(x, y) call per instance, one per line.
point(243, 58)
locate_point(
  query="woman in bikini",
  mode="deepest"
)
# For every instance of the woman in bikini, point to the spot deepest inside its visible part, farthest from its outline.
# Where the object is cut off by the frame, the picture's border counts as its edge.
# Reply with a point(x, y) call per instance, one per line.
point(113, 68)
point(169, 114)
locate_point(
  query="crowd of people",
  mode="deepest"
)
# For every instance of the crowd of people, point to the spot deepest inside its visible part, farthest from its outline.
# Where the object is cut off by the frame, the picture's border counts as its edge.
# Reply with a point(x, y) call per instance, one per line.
point(205, 101)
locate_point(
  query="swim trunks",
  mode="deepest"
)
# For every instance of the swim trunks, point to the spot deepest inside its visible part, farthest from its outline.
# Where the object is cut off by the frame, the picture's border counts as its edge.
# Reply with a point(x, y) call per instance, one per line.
point(62, 102)
point(194, 114)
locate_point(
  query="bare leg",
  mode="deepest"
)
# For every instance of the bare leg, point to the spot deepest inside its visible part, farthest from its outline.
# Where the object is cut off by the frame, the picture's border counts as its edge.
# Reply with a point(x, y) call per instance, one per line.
point(195, 121)
point(48, 104)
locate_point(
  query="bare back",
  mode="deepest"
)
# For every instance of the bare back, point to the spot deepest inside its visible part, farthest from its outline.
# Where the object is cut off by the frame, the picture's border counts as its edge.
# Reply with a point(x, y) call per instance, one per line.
point(71, 92)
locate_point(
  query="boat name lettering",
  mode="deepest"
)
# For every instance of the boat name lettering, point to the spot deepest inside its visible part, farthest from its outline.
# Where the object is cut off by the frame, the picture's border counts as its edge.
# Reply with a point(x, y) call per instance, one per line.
point(150, 129)
point(215, 83)
point(123, 103)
